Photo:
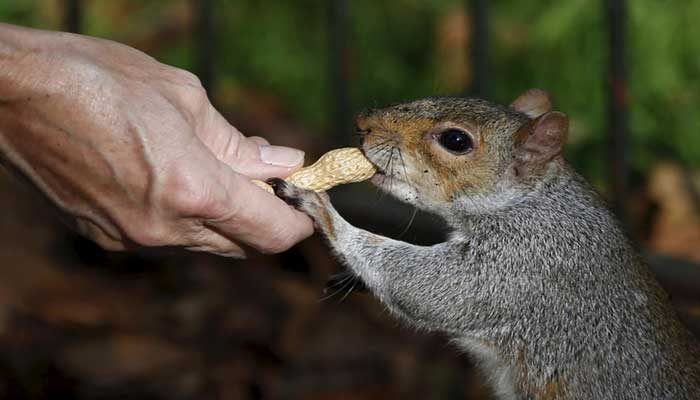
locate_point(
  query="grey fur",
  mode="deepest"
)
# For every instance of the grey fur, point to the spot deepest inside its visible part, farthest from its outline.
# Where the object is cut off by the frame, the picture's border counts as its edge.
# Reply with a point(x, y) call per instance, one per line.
point(543, 289)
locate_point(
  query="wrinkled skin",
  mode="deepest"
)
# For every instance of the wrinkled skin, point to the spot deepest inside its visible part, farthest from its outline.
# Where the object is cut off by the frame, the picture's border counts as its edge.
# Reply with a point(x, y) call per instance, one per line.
point(132, 152)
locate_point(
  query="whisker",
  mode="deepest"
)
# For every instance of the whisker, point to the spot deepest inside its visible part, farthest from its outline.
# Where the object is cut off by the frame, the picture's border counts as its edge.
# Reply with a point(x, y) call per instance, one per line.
point(354, 283)
point(386, 139)
point(338, 283)
point(391, 169)
point(342, 283)
point(350, 283)
point(410, 222)
point(387, 168)
point(382, 155)
point(378, 145)
point(403, 166)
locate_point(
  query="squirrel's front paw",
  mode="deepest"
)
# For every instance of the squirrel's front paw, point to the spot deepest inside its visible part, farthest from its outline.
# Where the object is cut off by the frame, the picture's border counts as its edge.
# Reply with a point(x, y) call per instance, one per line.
point(315, 205)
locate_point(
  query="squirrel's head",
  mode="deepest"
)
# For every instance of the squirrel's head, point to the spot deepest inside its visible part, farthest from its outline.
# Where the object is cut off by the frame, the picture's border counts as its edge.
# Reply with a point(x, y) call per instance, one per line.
point(440, 152)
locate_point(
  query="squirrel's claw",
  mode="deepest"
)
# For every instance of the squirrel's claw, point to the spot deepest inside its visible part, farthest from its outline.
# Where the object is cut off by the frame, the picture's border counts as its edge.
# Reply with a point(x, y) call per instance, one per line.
point(285, 191)
point(302, 199)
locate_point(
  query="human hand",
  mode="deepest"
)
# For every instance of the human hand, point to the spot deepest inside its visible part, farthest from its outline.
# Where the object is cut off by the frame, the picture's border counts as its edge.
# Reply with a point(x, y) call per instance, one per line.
point(132, 151)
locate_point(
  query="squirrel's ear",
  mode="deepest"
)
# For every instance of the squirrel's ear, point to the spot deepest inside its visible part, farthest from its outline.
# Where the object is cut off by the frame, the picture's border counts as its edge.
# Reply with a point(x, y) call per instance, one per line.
point(533, 103)
point(541, 140)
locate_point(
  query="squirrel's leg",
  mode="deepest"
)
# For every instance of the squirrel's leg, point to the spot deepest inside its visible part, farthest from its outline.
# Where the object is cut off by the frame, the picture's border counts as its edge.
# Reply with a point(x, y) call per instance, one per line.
point(395, 271)
point(349, 242)
point(316, 205)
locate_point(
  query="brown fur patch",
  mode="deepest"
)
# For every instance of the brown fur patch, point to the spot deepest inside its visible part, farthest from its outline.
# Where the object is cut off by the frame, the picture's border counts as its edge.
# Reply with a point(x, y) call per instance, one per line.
point(325, 221)
point(375, 240)
point(553, 389)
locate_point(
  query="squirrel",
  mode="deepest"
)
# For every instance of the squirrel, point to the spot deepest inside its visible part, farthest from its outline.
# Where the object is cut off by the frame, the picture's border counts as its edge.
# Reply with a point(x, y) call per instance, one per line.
point(537, 280)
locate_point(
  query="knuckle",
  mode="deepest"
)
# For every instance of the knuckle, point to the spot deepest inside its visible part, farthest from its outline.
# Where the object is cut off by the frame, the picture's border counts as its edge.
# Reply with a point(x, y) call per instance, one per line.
point(187, 196)
point(187, 78)
point(188, 202)
point(191, 91)
point(195, 101)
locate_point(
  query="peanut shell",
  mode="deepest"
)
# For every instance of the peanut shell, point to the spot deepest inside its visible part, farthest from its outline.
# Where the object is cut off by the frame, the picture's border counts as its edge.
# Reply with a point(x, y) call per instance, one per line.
point(337, 167)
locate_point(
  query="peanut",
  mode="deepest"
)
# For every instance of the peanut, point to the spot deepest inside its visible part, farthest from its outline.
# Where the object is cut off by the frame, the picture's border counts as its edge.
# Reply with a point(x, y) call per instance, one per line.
point(337, 167)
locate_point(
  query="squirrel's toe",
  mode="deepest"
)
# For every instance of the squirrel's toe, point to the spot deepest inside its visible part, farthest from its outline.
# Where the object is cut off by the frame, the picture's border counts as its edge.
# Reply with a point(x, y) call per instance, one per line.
point(284, 191)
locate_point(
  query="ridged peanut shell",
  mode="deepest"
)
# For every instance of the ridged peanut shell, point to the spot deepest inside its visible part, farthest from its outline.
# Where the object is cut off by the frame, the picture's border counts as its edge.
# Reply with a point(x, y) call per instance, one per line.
point(337, 167)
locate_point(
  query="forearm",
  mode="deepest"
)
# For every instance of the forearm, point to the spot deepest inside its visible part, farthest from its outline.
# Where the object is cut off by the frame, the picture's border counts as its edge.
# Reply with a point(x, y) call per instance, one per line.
point(36, 63)
point(13, 40)
point(21, 52)
point(434, 287)
point(28, 77)
point(48, 131)
point(16, 52)
point(375, 258)
point(49, 96)
point(392, 269)
point(24, 79)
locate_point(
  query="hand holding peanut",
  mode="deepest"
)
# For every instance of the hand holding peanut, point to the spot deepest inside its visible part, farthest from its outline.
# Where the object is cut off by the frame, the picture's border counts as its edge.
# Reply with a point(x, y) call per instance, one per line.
point(131, 151)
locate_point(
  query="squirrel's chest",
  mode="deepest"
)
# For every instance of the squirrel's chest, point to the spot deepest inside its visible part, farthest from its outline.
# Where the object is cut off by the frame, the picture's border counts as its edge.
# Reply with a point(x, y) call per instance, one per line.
point(499, 373)
point(506, 378)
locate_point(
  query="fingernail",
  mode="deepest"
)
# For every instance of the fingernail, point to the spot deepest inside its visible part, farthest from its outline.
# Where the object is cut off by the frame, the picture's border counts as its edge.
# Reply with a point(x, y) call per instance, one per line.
point(281, 156)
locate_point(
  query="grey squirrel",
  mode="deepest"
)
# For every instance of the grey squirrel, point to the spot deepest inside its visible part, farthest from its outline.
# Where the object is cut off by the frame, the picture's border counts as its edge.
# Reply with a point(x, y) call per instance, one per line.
point(537, 281)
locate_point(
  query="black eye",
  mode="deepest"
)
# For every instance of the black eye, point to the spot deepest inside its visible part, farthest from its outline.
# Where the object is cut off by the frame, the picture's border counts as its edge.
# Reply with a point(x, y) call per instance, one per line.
point(456, 141)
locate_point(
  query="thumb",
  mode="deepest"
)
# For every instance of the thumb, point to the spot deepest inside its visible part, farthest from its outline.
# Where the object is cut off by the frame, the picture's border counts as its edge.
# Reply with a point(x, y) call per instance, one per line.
point(266, 161)
point(252, 157)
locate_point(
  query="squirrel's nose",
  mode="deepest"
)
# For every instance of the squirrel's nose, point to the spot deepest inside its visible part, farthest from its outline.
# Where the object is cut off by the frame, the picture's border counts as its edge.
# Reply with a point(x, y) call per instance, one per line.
point(361, 122)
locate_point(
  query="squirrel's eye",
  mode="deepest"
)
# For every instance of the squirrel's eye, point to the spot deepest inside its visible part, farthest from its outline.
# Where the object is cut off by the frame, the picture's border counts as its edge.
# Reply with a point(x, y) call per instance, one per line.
point(456, 141)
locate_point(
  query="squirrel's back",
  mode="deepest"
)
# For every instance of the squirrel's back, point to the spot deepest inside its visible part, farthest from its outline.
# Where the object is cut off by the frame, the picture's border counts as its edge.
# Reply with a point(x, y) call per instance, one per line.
point(582, 313)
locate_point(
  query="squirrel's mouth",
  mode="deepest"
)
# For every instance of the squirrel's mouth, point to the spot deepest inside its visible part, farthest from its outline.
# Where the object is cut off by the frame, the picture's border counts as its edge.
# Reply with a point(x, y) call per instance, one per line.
point(381, 176)
point(380, 171)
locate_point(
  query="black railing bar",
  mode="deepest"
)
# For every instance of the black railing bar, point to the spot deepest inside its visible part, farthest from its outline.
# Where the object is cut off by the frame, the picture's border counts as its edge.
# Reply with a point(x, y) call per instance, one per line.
point(617, 106)
point(338, 71)
point(73, 16)
point(205, 39)
point(479, 55)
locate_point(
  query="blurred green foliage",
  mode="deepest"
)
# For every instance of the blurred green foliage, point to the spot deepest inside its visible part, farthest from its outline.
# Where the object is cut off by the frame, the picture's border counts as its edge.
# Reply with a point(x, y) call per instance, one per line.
point(280, 48)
